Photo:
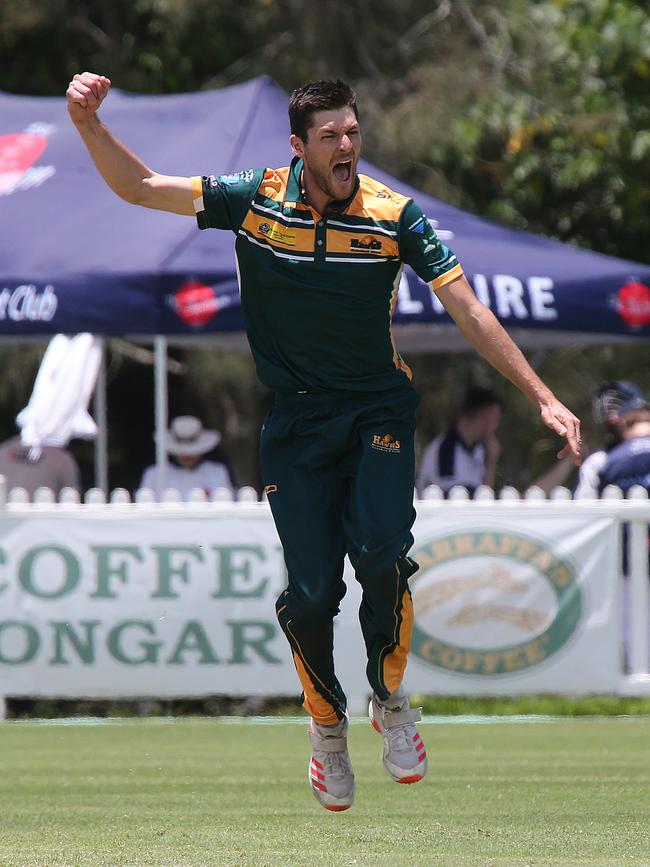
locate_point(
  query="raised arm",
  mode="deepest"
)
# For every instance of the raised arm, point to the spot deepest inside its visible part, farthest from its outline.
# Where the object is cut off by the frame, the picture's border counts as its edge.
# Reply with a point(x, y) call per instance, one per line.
point(123, 171)
point(480, 327)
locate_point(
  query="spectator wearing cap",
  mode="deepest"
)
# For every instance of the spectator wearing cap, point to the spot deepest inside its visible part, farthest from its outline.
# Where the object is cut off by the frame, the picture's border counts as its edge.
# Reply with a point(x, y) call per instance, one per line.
point(608, 406)
point(608, 403)
point(628, 463)
point(190, 466)
point(467, 453)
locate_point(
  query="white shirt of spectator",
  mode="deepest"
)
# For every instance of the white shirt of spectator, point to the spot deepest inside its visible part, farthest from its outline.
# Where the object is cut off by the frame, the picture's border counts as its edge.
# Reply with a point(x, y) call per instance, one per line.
point(448, 461)
point(209, 476)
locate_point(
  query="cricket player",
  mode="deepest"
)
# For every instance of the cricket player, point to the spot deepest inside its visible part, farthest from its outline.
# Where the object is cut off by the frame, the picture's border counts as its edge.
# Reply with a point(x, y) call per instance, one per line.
point(320, 250)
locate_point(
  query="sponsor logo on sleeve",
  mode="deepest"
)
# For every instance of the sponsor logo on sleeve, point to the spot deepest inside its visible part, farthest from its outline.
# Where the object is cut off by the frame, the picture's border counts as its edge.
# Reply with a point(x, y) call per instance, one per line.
point(230, 180)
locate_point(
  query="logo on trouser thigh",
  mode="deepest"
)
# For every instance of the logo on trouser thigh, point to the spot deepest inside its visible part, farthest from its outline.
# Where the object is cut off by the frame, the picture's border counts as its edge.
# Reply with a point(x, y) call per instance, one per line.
point(270, 489)
point(385, 443)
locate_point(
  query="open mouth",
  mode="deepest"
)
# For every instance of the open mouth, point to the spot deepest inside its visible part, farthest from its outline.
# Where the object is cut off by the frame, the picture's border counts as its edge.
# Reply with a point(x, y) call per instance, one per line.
point(343, 171)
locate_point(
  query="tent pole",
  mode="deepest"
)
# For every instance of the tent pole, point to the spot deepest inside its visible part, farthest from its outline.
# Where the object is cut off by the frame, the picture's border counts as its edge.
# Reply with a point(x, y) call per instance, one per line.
point(101, 420)
point(161, 410)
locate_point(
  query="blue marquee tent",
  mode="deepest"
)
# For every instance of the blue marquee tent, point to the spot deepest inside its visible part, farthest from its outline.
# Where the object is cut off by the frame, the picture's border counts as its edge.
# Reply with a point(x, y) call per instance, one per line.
point(73, 257)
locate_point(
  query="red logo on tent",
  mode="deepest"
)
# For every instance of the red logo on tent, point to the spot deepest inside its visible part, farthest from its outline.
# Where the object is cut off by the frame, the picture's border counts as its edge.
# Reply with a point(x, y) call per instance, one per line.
point(20, 151)
point(196, 303)
point(633, 303)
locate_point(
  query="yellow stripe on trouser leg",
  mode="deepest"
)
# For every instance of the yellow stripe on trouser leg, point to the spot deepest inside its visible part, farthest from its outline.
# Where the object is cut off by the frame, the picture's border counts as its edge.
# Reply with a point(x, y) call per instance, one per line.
point(394, 663)
point(320, 710)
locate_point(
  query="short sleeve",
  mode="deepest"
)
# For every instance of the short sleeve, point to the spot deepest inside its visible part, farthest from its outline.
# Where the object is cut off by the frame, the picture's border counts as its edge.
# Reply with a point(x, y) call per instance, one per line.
point(421, 248)
point(221, 202)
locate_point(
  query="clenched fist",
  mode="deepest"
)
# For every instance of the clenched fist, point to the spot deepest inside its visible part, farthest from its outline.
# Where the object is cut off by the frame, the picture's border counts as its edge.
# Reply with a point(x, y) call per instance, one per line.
point(85, 94)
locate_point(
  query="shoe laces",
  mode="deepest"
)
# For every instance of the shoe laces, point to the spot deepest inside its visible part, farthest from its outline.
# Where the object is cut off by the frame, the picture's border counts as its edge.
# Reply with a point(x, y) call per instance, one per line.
point(335, 764)
point(400, 737)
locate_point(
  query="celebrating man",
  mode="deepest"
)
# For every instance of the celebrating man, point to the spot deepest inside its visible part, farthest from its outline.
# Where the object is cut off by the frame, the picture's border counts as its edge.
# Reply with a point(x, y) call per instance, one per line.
point(320, 251)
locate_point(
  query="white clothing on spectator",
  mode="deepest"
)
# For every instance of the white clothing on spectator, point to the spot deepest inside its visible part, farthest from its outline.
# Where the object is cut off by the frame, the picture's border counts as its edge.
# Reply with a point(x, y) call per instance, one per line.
point(209, 476)
point(449, 461)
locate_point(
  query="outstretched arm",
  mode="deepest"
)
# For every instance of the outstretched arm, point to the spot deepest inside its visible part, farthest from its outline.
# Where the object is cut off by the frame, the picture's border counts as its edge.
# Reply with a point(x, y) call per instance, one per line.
point(480, 327)
point(123, 171)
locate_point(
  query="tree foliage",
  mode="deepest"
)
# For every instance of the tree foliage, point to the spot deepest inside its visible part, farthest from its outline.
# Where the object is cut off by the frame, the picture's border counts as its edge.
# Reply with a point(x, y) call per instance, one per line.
point(560, 141)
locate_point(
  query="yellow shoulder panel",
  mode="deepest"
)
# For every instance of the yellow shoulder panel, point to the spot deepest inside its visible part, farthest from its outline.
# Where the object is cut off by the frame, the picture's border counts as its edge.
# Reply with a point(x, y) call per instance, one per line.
point(274, 183)
point(377, 201)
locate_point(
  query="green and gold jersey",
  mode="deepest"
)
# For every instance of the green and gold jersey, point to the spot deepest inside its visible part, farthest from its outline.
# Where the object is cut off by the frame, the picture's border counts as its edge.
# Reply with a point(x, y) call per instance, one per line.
point(319, 290)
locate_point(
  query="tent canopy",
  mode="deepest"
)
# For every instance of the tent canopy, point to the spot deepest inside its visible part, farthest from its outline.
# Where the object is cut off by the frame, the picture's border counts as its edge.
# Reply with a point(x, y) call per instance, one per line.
point(74, 258)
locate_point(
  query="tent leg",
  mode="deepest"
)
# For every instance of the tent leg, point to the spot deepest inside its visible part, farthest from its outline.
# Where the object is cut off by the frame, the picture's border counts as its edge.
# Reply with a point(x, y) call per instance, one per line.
point(161, 410)
point(101, 419)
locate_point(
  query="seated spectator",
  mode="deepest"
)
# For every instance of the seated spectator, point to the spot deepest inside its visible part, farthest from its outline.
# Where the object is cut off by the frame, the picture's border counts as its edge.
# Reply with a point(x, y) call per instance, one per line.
point(605, 408)
point(609, 404)
point(48, 466)
point(628, 463)
point(187, 443)
point(467, 453)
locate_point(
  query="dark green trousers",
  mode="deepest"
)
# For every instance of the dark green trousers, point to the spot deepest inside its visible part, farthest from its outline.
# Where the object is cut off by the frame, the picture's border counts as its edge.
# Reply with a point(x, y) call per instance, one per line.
point(339, 472)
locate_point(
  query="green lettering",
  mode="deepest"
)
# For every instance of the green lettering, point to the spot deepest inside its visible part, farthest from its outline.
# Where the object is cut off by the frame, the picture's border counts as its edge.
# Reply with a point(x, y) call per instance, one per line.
point(84, 646)
point(194, 639)
point(167, 570)
point(71, 571)
point(262, 632)
point(149, 648)
point(235, 571)
point(3, 560)
point(31, 640)
point(106, 569)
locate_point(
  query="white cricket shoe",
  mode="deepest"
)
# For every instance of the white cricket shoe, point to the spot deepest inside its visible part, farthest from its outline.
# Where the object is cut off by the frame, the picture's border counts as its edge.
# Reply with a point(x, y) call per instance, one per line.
point(330, 771)
point(405, 757)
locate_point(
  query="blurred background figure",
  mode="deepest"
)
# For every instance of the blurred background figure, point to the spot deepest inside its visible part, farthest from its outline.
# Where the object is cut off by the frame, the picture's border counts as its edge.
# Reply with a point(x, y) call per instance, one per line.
point(56, 413)
point(628, 462)
point(195, 460)
point(50, 466)
point(467, 453)
point(609, 403)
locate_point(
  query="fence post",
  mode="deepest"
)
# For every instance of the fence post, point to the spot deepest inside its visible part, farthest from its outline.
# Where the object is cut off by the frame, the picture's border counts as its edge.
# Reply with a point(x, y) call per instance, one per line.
point(639, 596)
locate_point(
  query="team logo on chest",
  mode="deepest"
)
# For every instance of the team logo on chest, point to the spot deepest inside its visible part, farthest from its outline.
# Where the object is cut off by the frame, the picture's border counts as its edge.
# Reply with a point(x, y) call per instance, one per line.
point(368, 244)
point(278, 233)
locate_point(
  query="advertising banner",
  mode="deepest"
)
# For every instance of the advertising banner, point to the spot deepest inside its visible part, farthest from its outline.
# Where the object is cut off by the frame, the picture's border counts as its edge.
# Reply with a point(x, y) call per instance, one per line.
point(180, 602)
point(511, 603)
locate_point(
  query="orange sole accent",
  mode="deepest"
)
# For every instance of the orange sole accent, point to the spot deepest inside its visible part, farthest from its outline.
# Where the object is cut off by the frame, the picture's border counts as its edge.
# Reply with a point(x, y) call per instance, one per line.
point(375, 726)
point(414, 779)
point(334, 809)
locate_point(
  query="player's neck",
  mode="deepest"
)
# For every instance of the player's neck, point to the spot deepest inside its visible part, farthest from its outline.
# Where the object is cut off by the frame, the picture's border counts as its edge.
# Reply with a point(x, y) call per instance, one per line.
point(312, 193)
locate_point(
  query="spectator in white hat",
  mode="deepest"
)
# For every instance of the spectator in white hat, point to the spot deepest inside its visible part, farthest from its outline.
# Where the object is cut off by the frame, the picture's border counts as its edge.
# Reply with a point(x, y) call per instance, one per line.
point(187, 443)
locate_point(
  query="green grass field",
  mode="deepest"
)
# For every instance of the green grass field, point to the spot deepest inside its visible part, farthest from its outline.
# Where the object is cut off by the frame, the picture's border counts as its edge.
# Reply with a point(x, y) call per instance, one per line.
point(218, 792)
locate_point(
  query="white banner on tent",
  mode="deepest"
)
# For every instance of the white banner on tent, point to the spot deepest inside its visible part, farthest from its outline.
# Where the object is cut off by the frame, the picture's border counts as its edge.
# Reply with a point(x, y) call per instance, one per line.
point(182, 604)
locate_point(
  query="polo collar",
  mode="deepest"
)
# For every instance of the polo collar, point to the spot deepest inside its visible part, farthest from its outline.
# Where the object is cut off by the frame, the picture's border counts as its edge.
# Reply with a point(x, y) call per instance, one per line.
point(294, 189)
